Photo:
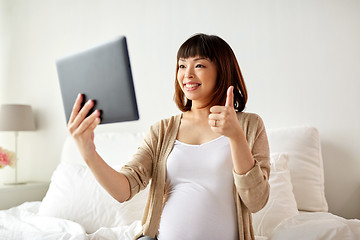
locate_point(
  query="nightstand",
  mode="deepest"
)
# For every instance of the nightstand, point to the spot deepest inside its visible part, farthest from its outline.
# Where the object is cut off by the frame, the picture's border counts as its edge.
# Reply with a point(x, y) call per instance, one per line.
point(14, 195)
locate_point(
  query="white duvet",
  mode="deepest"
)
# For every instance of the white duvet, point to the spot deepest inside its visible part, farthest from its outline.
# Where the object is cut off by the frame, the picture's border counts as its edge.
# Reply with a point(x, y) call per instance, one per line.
point(23, 223)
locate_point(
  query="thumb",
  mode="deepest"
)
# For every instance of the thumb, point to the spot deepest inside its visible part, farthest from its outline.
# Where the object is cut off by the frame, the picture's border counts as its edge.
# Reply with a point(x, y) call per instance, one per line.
point(230, 97)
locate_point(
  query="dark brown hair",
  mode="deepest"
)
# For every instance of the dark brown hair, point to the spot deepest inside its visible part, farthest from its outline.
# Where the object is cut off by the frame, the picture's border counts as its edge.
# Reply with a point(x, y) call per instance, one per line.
point(228, 71)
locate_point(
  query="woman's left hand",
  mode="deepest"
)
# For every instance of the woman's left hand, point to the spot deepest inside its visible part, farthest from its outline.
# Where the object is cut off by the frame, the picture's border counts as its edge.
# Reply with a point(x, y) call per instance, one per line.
point(223, 119)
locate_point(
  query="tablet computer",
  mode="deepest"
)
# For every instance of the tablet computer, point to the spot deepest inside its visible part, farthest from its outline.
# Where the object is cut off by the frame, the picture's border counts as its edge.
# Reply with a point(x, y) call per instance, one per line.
point(101, 73)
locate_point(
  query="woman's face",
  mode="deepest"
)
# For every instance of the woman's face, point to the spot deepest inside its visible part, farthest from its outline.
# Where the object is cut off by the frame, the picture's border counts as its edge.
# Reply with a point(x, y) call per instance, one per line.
point(197, 78)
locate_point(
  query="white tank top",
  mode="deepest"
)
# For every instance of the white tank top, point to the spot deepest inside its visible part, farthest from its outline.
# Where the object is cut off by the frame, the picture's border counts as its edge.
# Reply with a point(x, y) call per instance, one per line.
point(201, 203)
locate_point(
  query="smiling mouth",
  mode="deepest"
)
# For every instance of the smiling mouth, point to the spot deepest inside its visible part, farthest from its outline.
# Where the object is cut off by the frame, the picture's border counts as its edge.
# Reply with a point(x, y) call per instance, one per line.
point(192, 85)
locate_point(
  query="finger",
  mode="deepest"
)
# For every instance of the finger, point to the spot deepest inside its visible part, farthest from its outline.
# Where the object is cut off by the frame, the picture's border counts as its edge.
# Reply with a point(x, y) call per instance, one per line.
point(212, 123)
point(230, 97)
point(76, 108)
point(93, 125)
point(83, 113)
point(87, 124)
point(217, 109)
point(217, 117)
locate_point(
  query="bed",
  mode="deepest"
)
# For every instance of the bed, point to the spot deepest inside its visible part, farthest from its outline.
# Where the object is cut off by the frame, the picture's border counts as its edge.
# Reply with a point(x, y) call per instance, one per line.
point(76, 207)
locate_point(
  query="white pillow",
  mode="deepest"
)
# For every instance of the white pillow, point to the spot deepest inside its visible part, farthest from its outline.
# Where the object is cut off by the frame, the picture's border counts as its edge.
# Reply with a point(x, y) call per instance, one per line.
point(281, 203)
point(302, 144)
point(74, 194)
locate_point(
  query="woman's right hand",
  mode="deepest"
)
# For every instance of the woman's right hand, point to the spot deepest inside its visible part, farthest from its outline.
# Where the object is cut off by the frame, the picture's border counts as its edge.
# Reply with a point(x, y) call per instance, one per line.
point(82, 128)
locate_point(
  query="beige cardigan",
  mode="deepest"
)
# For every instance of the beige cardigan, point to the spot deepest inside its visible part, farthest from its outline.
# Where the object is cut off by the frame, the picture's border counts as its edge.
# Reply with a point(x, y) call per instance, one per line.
point(251, 190)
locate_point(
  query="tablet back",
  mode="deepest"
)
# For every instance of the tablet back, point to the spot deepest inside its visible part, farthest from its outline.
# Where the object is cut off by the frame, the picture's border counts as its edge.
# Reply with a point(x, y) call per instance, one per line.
point(101, 73)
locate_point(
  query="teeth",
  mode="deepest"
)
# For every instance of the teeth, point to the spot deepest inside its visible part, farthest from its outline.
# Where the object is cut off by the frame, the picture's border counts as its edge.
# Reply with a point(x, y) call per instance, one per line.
point(191, 85)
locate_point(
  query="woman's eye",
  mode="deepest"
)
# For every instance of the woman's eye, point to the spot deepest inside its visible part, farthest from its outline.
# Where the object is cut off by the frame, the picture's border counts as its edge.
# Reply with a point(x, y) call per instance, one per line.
point(200, 66)
point(181, 66)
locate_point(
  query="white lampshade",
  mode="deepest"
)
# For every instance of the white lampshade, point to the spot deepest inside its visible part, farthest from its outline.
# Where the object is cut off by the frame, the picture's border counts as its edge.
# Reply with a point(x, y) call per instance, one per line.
point(16, 117)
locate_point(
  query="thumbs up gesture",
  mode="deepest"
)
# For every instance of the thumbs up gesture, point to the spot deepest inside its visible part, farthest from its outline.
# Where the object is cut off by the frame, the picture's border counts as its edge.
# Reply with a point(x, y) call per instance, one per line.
point(223, 119)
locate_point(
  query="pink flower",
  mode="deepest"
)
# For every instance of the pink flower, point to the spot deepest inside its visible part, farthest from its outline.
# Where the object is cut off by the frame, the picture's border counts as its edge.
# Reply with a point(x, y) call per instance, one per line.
point(6, 158)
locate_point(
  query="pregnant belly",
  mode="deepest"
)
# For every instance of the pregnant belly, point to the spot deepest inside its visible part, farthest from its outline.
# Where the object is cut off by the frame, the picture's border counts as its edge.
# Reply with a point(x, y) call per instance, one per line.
point(195, 213)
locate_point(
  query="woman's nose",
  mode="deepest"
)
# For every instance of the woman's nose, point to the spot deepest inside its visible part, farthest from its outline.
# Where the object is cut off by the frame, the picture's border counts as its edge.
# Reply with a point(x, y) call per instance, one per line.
point(189, 73)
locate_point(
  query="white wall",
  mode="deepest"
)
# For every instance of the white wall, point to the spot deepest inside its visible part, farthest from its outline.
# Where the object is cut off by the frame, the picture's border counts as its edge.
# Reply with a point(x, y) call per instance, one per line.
point(300, 59)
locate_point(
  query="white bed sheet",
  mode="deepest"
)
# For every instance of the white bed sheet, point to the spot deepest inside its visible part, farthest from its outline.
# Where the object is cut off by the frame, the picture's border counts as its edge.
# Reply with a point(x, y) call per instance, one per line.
point(23, 223)
point(317, 226)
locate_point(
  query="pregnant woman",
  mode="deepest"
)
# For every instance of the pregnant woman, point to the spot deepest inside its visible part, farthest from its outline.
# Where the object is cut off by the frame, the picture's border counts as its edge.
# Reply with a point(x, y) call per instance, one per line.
point(208, 166)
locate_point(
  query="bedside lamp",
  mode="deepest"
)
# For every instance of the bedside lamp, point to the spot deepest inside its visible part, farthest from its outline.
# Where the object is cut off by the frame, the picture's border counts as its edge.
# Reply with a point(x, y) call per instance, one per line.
point(16, 117)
